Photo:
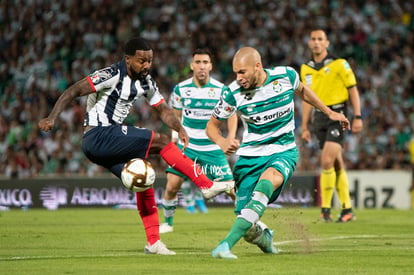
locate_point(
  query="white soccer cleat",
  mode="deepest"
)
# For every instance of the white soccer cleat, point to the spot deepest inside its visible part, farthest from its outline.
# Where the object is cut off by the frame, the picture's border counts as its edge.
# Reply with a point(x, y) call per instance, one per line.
point(158, 248)
point(217, 188)
point(166, 228)
point(223, 252)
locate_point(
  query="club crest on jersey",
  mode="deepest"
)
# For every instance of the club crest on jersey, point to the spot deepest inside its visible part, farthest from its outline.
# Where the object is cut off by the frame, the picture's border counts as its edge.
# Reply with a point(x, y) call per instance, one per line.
point(211, 92)
point(277, 87)
point(346, 65)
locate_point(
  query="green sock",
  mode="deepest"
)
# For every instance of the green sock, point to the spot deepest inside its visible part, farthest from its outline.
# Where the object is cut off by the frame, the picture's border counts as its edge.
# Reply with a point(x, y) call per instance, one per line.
point(240, 227)
point(169, 207)
point(169, 220)
point(263, 191)
point(265, 186)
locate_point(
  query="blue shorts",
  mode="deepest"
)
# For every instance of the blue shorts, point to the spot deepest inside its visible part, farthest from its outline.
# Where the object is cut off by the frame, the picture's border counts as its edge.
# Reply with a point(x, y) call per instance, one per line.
point(113, 146)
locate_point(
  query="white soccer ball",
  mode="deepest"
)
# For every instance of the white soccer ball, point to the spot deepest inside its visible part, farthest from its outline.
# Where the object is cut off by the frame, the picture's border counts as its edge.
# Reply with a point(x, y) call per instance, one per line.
point(138, 175)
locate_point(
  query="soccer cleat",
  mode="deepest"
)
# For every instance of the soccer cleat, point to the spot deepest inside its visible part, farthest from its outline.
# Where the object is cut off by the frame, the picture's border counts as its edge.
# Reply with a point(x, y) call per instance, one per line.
point(201, 205)
point(158, 248)
point(222, 251)
point(265, 243)
point(191, 209)
point(217, 188)
point(346, 216)
point(326, 215)
point(255, 232)
point(166, 228)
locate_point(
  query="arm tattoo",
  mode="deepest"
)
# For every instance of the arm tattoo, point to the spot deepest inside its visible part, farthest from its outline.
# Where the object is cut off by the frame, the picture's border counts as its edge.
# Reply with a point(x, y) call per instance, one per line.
point(168, 117)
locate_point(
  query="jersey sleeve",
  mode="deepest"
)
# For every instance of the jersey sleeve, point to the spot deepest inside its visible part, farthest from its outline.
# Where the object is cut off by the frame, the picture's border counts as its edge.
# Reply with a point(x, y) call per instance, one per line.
point(175, 100)
point(226, 106)
point(293, 77)
point(151, 91)
point(103, 79)
point(347, 75)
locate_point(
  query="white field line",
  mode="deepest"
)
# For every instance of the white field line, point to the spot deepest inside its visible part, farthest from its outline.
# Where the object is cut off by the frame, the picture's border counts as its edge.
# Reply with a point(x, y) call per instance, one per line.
point(48, 257)
point(329, 239)
point(115, 255)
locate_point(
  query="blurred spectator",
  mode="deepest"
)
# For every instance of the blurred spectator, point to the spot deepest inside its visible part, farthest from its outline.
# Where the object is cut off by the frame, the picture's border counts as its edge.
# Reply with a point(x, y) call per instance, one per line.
point(46, 44)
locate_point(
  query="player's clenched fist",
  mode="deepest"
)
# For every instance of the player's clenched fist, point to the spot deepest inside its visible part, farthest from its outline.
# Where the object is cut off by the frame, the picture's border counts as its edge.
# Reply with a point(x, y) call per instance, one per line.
point(46, 124)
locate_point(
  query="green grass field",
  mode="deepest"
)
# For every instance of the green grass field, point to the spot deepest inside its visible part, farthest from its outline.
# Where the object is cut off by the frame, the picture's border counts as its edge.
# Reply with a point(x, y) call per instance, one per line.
point(110, 241)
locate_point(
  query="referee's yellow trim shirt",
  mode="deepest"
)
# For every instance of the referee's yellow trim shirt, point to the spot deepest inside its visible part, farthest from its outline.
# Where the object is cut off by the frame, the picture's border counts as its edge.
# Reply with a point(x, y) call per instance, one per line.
point(330, 79)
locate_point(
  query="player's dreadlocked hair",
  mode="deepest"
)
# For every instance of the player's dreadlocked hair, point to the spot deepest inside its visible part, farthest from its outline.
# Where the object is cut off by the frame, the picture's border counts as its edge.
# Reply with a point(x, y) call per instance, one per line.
point(136, 44)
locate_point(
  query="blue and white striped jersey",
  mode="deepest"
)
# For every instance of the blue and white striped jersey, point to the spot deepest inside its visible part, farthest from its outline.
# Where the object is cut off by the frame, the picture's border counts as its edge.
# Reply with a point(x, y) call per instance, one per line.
point(267, 112)
point(115, 94)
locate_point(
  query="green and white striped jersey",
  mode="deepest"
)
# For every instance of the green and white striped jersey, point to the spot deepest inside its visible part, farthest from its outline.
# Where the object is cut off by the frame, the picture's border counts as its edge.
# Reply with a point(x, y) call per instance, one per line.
point(267, 112)
point(196, 105)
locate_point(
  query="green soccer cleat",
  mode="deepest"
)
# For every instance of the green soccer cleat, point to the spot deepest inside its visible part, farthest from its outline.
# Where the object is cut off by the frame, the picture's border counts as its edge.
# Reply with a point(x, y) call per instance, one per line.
point(223, 252)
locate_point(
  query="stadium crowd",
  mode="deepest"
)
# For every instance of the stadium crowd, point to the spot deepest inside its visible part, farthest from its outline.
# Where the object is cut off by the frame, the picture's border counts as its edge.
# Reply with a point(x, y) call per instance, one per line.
point(45, 45)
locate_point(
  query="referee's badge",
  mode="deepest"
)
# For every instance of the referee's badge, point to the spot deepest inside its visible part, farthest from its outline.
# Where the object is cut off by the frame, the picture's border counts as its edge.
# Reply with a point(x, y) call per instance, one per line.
point(308, 79)
point(277, 87)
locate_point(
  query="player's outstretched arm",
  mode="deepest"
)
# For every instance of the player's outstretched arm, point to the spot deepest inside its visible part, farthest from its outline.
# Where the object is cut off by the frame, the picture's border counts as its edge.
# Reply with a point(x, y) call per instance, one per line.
point(80, 88)
point(228, 145)
point(172, 121)
point(310, 97)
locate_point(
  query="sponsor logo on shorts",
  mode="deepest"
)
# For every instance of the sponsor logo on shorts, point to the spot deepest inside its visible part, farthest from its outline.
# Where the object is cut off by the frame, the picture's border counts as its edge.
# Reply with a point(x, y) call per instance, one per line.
point(335, 133)
point(124, 129)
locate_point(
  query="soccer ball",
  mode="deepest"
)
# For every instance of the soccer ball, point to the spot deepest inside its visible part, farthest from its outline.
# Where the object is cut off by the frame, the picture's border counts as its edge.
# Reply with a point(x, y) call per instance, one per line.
point(138, 175)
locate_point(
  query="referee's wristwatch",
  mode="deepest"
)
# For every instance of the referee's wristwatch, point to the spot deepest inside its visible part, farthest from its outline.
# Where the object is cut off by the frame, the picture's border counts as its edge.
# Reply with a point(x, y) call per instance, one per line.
point(358, 117)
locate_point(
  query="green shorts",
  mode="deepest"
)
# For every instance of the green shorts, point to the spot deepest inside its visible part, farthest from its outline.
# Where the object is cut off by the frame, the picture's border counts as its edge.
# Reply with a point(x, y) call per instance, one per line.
point(248, 170)
point(214, 164)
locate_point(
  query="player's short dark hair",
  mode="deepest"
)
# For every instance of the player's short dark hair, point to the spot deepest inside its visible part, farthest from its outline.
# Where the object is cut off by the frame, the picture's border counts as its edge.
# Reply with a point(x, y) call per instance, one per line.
point(203, 51)
point(321, 29)
point(136, 44)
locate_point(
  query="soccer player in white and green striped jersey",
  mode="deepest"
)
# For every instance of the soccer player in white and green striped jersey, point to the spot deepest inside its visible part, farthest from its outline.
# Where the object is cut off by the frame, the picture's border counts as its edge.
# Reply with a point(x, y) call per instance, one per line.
point(264, 99)
point(193, 101)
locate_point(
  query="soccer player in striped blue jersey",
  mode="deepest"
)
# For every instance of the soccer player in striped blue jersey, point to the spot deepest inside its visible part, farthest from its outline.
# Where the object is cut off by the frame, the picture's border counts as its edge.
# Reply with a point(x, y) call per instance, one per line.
point(193, 101)
point(107, 142)
point(264, 99)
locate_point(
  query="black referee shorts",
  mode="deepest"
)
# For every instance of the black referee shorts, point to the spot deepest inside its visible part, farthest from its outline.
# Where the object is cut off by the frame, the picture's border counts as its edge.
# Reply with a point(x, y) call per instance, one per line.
point(326, 129)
